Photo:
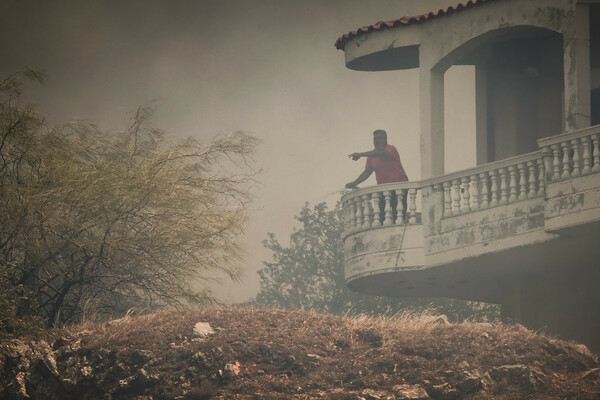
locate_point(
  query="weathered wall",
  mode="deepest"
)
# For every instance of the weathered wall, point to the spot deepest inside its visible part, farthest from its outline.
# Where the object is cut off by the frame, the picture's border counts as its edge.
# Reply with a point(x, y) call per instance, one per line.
point(572, 202)
point(484, 231)
point(382, 249)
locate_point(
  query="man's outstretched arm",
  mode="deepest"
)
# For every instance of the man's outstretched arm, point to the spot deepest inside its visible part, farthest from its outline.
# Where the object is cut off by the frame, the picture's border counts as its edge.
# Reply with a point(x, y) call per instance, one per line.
point(383, 153)
point(361, 178)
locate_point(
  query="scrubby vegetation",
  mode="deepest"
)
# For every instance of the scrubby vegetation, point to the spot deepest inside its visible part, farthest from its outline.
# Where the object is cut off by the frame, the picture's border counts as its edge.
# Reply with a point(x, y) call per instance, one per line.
point(95, 222)
point(274, 354)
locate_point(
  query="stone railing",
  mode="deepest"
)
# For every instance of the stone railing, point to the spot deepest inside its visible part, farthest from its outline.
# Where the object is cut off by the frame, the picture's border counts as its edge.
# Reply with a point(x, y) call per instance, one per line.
point(381, 206)
point(486, 186)
point(572, 154)
point(491, 185)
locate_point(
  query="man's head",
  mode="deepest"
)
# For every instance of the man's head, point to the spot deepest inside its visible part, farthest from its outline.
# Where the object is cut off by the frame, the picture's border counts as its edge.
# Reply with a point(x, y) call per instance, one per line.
point(380, 139)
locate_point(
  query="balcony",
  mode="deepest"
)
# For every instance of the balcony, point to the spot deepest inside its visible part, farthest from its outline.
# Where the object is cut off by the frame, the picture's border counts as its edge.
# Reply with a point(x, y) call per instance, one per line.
point(480, 234)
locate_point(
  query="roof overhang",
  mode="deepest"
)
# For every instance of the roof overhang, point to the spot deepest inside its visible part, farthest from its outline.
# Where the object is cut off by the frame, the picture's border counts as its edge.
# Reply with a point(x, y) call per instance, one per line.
point(379, 47)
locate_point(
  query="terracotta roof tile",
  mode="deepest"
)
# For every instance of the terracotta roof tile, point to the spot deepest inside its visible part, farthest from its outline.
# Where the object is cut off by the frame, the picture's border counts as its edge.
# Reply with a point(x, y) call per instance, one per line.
point(341, 42)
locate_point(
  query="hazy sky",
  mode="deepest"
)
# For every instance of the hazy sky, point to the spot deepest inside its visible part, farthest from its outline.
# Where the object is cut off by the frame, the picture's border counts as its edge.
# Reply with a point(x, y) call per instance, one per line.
point(268, 67)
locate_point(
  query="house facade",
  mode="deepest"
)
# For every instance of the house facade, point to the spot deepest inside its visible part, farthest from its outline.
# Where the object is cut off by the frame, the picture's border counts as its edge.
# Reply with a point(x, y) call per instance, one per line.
point(522, 228)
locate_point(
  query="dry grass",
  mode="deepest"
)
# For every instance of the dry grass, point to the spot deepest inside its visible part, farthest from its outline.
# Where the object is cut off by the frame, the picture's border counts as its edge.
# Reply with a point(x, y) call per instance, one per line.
point(297, 354)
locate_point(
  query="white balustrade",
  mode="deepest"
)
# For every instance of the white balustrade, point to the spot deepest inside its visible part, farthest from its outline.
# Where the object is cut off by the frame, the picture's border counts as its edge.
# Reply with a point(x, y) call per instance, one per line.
point(565, 156)
point(382, 205)
point(494, 184)
point(573, 154)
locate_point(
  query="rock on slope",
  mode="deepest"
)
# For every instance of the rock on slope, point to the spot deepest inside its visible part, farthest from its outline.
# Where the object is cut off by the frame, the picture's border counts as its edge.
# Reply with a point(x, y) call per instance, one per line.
point(236, 353)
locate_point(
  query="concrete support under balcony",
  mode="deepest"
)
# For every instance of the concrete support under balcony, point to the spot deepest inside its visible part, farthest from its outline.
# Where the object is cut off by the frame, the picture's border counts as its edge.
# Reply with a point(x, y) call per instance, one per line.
point(380, 251)
point(556, 288)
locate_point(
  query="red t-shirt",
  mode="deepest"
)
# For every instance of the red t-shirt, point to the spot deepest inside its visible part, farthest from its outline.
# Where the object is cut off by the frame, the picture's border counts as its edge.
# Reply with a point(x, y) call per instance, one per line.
point(387, 169)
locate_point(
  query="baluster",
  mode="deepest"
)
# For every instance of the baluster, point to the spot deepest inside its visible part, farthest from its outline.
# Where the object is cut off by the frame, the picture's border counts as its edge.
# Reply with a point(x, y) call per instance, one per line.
point(376, 202)
point(359, 213)
point(522, 181)
point(555, 162)
point(512, 179)
point(547, 159)
point(474, 192)
point(485, 193)
point(576, 166)
point(587, 155)
point(494, 188)
point(456, 197)
point(367, 221)
point(503, 186)
point(400, 211)
point(541, 176)
point(566, 160)
point(596, 152)
point(532, 192)
point(447, 199)
point(387, 195)
point(466, 195)
point(412, 205)
point(352, 218)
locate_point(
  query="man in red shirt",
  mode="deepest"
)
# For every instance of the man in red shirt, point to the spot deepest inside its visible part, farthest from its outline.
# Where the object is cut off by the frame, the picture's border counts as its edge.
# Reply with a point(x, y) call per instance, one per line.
point(383, 159)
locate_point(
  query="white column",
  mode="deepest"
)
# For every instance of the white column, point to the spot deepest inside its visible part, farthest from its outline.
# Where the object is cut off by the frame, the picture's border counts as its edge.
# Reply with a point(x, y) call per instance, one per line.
point(481, 118)
point(432, 122)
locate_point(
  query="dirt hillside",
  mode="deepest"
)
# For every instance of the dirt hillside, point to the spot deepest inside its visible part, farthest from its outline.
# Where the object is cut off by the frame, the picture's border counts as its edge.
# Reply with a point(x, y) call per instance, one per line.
point(236, 353)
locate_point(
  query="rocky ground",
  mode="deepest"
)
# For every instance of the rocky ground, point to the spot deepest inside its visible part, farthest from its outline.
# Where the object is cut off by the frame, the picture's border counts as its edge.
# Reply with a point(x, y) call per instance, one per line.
point(236, 353)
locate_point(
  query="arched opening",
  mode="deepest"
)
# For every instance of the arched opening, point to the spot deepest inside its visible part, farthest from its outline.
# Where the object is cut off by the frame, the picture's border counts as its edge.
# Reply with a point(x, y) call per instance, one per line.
point(519, 83)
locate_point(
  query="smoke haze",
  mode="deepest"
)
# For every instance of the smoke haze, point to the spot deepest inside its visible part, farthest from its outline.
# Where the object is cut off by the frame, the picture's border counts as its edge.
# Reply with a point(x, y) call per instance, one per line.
point(268, 67)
